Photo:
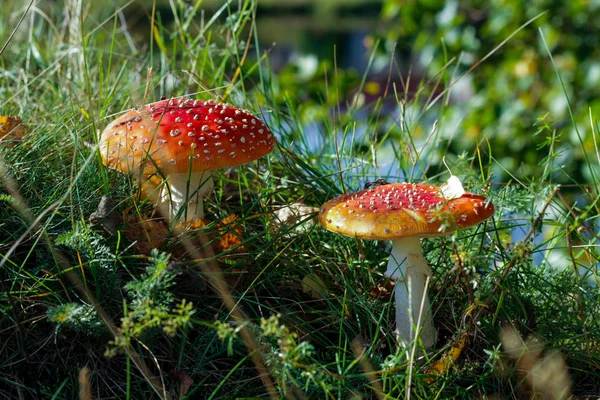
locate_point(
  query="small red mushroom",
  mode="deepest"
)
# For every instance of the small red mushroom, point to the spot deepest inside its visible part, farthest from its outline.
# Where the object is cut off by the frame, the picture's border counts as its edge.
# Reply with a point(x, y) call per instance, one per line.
point(404, 213)
point(183, 140)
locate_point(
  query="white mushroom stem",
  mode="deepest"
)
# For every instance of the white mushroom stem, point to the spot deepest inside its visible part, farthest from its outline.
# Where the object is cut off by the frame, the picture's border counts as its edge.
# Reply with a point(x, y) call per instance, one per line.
point(185, 190)
point(409, 269)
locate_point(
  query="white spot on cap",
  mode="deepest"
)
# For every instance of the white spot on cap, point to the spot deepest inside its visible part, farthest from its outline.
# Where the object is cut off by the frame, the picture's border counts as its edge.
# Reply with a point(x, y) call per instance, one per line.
point(174, 132)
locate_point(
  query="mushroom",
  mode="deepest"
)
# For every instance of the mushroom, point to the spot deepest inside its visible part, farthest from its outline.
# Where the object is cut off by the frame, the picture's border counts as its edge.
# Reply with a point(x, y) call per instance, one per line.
point(404, 213)
point(183, 141)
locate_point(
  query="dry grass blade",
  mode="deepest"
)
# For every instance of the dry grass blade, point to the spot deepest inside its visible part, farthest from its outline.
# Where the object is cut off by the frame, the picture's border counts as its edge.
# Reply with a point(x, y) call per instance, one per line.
point(85, 387)
point(16, 27)
point(359, 353)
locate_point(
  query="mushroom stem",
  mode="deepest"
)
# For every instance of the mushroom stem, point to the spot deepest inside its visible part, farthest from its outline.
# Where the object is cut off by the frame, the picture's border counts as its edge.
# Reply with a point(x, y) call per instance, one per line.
point(183, 194)
point(409, 269)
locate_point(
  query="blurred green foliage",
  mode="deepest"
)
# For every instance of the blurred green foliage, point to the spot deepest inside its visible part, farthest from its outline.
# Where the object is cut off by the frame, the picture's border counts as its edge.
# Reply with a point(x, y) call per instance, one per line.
point(528, 81)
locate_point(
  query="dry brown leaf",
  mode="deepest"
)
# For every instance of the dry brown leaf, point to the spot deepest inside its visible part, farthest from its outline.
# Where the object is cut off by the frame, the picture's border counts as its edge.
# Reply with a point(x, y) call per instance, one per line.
point(314, 285)
point(12, 130)
point(382, 291)
point(196, 223)
point(185, 382)
point(147, 234)
point(443, 365)
point(230, 234)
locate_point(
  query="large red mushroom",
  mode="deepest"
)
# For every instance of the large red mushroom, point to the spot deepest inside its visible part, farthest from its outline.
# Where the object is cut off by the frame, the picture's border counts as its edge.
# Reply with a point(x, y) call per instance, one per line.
point(183, 141)
point(405, 213)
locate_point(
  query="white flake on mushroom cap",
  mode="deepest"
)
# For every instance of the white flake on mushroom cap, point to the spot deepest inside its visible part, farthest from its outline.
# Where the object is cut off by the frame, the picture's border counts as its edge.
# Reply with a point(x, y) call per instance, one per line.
point(452, 188)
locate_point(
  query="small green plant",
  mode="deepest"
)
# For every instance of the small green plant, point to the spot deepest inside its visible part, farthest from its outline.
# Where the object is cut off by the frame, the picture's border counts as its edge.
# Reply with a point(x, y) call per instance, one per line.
point(151, 307)
point(91, 245)
point(154, 284)
point(147, 317)
point(79, 317)
point(289, 360)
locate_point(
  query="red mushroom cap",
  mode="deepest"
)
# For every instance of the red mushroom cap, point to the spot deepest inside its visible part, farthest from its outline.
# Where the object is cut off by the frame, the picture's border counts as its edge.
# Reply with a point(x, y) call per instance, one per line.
point(170, 134)
point(400, 210)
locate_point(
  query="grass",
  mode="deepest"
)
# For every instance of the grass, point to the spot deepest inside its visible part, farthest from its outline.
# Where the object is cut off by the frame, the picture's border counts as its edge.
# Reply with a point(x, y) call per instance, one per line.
point(238, 322)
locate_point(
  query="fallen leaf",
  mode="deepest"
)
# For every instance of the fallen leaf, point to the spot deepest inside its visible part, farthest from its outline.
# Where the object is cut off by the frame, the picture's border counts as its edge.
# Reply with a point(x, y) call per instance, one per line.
point(314, 285)
point(230, 238)
point(185, 382)
point(147, 234)
point(12, 130)
point(447, 360)
point(195, 223)
point(382, 291)
point(295, 217)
